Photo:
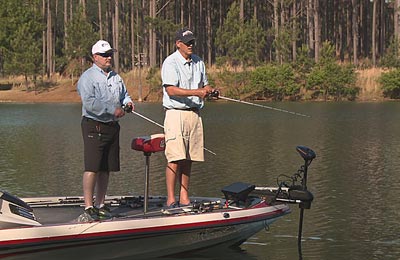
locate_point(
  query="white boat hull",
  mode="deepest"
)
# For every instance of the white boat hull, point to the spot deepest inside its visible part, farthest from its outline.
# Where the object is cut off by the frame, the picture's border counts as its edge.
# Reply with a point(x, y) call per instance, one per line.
point(139, 237)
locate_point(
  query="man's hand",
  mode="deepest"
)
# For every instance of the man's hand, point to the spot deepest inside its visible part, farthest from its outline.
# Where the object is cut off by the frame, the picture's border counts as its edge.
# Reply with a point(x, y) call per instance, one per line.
point(119, 112)
point(203, 93)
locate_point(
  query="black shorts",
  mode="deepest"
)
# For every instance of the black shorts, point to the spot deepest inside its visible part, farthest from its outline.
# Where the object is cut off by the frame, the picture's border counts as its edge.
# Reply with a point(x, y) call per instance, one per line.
point(101, 145)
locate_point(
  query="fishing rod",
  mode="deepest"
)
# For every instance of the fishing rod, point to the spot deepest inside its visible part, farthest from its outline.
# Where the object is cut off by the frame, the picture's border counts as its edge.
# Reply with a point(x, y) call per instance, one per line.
point(216, 95)
point(157, 124)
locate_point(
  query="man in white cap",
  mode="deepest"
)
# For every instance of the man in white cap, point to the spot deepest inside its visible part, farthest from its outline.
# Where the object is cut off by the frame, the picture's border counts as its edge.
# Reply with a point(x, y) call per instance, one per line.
point(103, 94)
point(185, 85)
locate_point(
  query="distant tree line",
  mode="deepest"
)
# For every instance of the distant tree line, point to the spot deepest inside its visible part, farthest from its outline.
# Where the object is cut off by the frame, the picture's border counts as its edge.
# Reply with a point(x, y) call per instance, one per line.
point(45, 37)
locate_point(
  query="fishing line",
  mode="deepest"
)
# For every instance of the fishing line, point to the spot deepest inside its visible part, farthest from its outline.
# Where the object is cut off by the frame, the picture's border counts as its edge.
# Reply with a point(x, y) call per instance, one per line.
point(263, 106)
point(157, 124)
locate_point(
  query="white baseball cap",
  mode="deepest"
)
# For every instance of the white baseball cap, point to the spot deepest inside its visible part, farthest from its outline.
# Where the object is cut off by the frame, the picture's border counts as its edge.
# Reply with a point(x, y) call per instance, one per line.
point(102, 46)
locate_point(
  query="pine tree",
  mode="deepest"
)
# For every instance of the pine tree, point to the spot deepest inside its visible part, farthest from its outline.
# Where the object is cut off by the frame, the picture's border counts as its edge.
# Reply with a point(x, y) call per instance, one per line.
point(20, 40)
point(81, 38)
point(241, 42)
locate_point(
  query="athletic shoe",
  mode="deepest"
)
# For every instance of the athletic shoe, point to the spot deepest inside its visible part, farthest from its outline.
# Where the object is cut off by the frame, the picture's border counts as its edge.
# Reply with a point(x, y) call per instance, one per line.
point(173, 205)
point(104, 213)
point(90, 214)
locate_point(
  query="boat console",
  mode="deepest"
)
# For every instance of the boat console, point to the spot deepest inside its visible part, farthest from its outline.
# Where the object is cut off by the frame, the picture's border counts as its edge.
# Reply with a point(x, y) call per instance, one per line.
point(238, 192)
point(15, 212)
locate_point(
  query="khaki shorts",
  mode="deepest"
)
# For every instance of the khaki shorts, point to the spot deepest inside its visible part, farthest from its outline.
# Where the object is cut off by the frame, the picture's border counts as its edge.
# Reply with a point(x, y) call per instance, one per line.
point(183, 136)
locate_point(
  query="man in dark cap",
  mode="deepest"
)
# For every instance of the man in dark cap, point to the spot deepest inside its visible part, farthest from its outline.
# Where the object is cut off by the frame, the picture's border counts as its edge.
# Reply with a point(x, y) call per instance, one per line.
point(185, 85)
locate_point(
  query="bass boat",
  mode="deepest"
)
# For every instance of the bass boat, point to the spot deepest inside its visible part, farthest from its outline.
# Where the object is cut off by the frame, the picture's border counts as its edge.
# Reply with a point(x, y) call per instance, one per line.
point(141, 227)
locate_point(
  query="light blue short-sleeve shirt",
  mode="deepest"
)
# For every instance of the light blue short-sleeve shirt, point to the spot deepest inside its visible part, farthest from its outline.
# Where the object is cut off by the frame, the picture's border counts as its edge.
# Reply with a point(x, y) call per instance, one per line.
point(176, 71)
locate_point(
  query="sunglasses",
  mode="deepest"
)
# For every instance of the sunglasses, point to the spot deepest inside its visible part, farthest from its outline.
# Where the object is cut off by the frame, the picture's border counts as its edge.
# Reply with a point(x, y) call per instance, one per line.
point(189, 43)
point(105, 55)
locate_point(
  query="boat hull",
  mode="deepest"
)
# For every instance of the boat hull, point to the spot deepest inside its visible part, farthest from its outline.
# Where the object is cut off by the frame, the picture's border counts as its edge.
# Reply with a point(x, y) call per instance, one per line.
point(144, 237)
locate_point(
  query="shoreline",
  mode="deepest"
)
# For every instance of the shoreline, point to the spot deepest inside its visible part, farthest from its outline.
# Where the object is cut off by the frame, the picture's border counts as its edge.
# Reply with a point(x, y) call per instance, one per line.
point(19, 96)
point(64, 90)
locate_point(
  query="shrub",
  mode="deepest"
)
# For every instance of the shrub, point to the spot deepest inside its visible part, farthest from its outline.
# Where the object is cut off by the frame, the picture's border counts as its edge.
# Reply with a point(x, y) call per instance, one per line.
point(275, 81)
point(234, 83)
point(331, 79)
point(390, 82)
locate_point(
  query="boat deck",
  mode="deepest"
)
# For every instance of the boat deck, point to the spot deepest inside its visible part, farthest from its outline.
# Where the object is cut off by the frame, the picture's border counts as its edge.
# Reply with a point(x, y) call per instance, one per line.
point(68, 209)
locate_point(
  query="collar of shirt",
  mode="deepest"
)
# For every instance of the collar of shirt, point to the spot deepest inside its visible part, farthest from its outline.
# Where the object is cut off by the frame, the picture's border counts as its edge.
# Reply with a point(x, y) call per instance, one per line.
point(107, 74)
point(183, 60)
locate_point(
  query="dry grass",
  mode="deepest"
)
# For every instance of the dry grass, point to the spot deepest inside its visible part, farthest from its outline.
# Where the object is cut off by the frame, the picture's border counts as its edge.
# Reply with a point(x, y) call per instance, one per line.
point(367, 81)
point(65, 89)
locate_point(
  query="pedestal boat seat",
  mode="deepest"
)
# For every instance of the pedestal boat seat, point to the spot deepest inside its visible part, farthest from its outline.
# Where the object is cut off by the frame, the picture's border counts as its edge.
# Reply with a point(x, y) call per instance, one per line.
point(148, 145)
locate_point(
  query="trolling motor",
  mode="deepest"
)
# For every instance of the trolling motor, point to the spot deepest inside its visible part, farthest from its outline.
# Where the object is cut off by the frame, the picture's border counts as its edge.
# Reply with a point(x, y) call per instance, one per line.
point(293, 189)
point(300, 192)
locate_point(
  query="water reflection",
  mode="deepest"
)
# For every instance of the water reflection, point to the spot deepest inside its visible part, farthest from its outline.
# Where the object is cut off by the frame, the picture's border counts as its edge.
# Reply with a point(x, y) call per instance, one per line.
point(354, 178)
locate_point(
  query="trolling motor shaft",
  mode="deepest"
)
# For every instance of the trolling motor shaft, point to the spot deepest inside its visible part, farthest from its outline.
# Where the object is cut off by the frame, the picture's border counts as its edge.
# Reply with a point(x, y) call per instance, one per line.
point(308, 155)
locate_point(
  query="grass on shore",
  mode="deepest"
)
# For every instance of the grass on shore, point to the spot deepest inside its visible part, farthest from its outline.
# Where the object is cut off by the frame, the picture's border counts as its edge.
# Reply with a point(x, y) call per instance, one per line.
point(61, 89)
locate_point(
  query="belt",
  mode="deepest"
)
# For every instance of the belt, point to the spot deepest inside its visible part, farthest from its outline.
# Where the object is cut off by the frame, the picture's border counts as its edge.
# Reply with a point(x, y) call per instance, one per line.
point(99, 122)
point(193, 109)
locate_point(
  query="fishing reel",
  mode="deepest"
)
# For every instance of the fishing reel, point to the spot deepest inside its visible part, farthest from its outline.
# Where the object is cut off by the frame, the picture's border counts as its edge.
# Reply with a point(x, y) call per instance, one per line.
point(127, 108)
point(214, 94)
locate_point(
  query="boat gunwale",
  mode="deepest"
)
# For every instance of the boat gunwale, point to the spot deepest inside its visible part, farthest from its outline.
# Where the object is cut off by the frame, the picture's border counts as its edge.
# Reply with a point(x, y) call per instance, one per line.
point(159, 229)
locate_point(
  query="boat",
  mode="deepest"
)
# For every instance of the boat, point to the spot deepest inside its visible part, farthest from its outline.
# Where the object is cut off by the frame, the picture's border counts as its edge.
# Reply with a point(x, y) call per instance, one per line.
point(6, 86)
point(141, 227)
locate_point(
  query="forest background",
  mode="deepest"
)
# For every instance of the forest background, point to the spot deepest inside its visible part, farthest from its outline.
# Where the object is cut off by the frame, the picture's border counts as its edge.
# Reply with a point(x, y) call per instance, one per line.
point(254, 49)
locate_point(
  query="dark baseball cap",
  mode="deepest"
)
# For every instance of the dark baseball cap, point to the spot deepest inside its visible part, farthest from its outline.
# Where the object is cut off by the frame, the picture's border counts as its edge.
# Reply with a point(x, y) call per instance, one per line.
point(184, 35)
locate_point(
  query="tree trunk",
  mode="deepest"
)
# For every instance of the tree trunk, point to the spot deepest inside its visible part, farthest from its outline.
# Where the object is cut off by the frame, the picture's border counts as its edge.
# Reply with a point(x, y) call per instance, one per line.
point(317, 31)
point(152, 35)
point(310, 26)
point(382, 27)
point(276, 27)
point(100, 20)
point(116, 35)
point(294, 30)
point(255, 10)
point(44, 61)
point(209, 35)
point(181, 13)
point(49, 41)
point(241, 14)
point(132, 35)
point(355, 31)
point(83, 4)
point(348, 32)
point(341, 36)
point(396, 20)
point(65, 23)
point(374, 32)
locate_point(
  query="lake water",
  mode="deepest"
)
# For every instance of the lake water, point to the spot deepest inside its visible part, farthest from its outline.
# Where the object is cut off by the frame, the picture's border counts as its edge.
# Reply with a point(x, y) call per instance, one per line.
point(355, 178)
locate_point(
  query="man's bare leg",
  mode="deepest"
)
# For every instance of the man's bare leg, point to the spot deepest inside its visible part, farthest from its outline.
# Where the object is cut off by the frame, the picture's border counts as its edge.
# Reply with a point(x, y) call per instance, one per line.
point(101, 187)
point(171, 173)
point(89, 183)
point(185, 170)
